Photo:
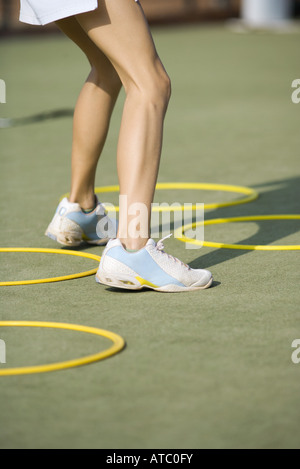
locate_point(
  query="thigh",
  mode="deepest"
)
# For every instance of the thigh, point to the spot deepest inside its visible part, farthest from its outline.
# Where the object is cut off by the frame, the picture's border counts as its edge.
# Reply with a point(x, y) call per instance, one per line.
point(120, 30)
point(72, 29)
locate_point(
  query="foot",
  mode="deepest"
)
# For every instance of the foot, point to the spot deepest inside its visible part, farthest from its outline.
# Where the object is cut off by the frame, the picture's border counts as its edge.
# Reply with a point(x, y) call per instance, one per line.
point(149, 267)
point(70, 226)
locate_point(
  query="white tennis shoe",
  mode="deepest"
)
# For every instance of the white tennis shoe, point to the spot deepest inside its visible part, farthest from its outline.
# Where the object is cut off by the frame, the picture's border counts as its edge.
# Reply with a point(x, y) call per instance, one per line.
point(70, 226)
point(150, 267)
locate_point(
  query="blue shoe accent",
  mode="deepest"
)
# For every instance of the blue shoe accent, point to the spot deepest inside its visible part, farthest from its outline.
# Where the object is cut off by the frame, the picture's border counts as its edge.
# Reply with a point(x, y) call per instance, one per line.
point(143, 264)
point(88, 223)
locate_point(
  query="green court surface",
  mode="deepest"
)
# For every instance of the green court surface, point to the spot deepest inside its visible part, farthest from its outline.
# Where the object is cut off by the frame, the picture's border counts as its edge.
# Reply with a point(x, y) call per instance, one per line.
point(206, 369)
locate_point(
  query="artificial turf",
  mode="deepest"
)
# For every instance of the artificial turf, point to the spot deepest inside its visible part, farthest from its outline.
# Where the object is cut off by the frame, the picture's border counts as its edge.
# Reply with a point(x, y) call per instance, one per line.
point(207, 369)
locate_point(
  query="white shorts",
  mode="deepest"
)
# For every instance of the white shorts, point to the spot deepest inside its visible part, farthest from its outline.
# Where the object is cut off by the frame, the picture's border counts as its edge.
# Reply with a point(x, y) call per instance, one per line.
point(46, 11)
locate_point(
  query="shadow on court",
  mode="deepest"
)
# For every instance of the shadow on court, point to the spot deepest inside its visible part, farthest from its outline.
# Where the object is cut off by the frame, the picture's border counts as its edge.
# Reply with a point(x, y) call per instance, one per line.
point(279, 197)
point(275, 198)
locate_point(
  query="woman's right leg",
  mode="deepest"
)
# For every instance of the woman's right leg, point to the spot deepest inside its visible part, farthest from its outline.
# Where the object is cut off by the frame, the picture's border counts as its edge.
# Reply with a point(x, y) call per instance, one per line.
point(119, 29)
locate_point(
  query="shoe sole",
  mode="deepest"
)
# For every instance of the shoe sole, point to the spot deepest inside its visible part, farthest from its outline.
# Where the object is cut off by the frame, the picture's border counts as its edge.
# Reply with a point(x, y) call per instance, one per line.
point(67, 239)
point(137, 283)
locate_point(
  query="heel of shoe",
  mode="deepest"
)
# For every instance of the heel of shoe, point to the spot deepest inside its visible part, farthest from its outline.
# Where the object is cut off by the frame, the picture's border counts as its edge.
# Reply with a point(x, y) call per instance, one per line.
point(66, 239)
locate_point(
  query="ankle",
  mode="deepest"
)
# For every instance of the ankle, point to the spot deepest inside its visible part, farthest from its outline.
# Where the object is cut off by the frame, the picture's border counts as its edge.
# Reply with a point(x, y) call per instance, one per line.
point(87, 204)
point(132, 245)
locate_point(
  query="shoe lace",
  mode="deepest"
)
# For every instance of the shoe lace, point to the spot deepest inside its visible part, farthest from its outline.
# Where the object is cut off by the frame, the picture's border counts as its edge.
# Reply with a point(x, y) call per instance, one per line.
point(160, 247)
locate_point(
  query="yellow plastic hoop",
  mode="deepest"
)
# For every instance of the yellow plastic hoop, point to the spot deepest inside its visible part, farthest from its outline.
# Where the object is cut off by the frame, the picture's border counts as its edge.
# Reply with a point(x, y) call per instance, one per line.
point(118, 345)
point(216, 221)
point(51, 279)
point(250, 194)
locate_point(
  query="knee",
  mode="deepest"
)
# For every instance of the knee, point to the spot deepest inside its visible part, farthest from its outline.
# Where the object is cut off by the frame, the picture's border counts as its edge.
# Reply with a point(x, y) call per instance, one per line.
point(158, 91)
point(153, 91)
point(109, 82)
point(164, 89)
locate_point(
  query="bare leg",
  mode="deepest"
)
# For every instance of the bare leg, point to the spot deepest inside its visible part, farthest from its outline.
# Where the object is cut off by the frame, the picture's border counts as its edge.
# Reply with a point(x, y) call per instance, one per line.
point(92, 115)
point(119, 29)
point(115, 37)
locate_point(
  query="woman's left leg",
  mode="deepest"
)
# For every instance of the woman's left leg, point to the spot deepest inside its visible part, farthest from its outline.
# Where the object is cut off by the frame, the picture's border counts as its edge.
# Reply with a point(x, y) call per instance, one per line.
point(92, 114)
point(76, 218)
